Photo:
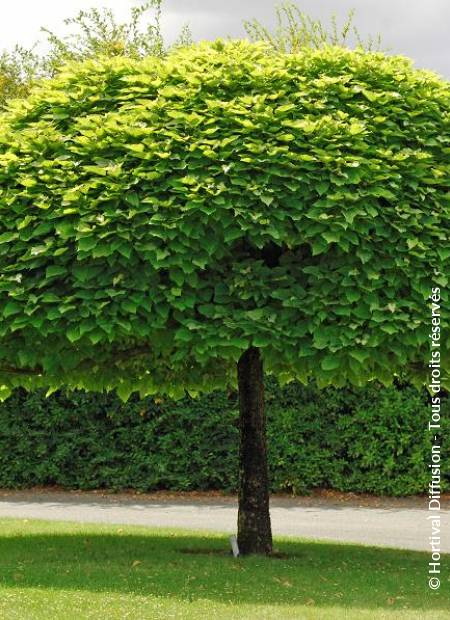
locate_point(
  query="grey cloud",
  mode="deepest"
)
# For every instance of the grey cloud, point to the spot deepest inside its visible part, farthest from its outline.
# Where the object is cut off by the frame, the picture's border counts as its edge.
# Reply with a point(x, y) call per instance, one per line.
point(418, 29)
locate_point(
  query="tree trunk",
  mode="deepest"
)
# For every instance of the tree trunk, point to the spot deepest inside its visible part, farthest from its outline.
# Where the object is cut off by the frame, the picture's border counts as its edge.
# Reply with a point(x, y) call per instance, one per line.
point(254, 531)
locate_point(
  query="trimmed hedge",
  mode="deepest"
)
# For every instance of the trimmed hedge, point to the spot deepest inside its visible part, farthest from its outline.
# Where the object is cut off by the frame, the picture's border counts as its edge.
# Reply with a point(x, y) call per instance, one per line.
point(363, 440)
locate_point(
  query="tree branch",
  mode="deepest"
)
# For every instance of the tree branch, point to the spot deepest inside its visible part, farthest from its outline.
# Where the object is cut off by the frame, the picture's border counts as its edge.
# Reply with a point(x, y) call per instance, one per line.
point(10, 370)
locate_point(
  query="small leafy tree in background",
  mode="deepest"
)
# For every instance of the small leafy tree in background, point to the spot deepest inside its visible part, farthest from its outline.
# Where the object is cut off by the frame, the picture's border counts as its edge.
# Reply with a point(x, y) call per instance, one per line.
point(96, 33)
point(175, 223)
point(19, 69)
point(296, 30)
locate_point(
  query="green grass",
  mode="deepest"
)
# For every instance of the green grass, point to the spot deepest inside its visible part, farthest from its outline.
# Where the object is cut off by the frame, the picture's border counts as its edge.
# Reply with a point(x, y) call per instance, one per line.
point(53, 571)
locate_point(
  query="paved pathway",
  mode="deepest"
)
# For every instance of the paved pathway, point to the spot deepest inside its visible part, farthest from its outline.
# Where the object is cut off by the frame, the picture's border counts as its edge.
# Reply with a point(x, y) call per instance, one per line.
point(394, 524)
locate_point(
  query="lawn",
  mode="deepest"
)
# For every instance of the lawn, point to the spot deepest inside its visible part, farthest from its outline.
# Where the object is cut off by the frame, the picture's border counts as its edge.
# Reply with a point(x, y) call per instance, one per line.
point(70, 571)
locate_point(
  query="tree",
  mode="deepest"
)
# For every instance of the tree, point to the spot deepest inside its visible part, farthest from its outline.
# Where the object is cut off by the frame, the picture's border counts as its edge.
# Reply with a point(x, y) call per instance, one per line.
point(296, 30)
point(95, 33)
point(19, 69)
point(174, 224)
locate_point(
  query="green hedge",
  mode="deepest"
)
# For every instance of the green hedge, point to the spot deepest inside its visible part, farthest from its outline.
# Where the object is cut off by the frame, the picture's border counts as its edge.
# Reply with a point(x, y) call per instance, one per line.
point(373, 440)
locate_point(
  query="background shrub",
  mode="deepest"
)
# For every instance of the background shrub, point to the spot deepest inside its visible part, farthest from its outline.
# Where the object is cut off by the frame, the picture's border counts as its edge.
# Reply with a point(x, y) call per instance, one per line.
point(368, 440)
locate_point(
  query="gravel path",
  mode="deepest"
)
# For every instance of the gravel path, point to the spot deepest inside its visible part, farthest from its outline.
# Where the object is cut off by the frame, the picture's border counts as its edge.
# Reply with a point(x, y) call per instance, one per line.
point(391, 523)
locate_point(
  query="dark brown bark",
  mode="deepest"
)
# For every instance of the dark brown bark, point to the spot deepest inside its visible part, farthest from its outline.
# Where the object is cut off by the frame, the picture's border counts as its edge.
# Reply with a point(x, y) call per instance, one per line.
point(254, 530)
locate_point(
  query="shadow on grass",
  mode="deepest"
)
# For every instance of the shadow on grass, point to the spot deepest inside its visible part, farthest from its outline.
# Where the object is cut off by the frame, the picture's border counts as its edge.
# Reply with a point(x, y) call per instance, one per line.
point(116, 559)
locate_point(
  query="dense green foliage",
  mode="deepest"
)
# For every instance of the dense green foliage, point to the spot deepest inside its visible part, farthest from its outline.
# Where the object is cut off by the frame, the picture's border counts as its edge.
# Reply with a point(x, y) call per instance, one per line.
point(159, 217)
point(96, 33)
point(365, 439)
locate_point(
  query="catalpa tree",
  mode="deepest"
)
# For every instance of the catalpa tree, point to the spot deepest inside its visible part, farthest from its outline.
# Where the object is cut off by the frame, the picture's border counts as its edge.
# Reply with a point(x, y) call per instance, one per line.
point(175, 224)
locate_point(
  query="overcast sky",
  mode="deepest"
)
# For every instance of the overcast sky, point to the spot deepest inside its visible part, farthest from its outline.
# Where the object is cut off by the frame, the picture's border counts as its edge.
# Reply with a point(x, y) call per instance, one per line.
point(416, 28)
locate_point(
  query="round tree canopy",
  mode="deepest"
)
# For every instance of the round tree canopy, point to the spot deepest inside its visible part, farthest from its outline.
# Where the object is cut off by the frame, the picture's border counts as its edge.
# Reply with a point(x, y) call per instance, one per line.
point(159, 217)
